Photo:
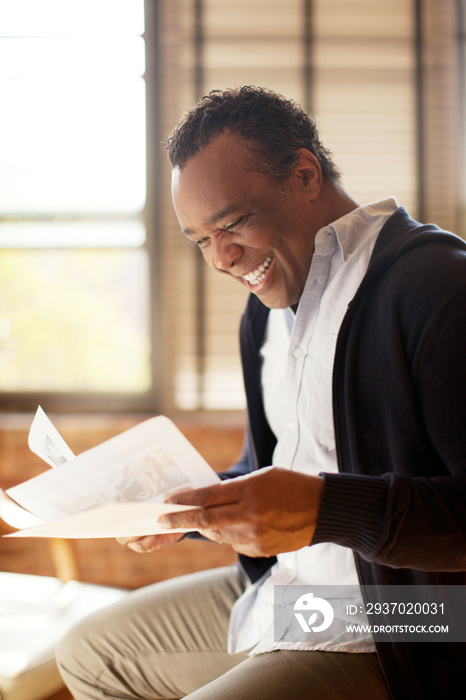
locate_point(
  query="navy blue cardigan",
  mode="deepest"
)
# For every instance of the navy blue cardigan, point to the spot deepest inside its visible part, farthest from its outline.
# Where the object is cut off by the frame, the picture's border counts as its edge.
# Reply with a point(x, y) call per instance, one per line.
point(399, 499)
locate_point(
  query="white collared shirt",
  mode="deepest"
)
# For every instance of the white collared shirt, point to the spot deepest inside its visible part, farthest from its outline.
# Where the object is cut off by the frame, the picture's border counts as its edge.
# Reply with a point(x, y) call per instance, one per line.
point(297, 372)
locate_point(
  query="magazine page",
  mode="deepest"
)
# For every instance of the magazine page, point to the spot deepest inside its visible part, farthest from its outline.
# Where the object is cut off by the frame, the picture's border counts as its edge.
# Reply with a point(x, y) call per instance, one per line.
point(111, 520)
point(46, 442)
point(140, 465)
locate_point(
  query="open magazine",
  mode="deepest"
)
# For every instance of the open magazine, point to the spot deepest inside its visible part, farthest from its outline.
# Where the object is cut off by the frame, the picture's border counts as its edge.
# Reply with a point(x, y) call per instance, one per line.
point(116, 489)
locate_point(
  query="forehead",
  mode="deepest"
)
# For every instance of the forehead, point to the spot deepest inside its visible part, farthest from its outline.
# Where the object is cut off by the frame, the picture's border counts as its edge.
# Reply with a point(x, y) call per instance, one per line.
point(221, 175)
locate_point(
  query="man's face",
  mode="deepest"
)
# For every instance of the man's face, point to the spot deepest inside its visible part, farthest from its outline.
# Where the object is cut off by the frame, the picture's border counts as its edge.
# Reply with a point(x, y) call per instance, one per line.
point(247, 224)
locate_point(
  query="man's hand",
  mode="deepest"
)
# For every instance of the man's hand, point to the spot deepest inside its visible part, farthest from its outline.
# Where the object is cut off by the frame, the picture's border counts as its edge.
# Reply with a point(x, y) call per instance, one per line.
point(150, 543)
point(270, 511)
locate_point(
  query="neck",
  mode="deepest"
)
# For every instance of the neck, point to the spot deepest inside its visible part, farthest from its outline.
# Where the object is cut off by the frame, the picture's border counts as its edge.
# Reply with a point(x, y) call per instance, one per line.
point(335, 201)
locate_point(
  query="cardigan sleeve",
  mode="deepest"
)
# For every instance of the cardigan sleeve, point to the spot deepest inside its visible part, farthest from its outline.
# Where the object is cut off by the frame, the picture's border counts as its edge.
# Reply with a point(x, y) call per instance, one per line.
point(396, 521)
point(245, 464)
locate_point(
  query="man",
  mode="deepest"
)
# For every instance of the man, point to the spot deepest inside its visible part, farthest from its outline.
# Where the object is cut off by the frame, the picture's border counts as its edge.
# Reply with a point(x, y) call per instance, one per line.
point(353, 356)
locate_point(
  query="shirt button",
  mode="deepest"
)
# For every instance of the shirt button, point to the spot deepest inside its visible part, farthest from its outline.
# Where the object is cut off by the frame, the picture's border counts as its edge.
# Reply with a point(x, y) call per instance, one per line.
point(289, 563)
point(291, 424)
point(348, 254)
point(297, 353)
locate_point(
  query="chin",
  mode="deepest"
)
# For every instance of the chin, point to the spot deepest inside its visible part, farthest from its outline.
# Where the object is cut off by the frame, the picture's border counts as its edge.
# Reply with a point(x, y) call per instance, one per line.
point(273, 303)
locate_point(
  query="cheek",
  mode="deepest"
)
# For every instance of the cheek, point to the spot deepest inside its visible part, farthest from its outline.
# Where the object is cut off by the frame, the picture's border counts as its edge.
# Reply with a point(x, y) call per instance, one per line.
point(207, 256)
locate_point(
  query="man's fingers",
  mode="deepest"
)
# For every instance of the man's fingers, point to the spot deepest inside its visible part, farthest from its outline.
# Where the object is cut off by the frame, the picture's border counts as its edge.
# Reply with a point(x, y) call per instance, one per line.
point(126, 540)
point(219, 494)
point(203, 518)
point(270, 511)
point(149, 543)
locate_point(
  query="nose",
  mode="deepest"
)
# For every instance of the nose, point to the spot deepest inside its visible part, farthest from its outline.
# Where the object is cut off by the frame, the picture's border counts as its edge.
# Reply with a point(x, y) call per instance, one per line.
point(225, 254)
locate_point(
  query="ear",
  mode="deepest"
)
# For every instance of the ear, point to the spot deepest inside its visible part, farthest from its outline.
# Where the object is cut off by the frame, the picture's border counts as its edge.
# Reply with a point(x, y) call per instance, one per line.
point(309, 173)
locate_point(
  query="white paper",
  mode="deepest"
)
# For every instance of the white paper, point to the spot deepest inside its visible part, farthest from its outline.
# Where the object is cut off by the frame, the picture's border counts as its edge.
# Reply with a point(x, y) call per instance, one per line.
point(141, 465)
point(46, 442)
point(111, 520)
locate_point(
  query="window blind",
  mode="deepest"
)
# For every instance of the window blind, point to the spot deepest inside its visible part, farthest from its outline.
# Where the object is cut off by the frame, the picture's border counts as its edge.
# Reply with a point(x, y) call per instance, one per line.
point(380, 79)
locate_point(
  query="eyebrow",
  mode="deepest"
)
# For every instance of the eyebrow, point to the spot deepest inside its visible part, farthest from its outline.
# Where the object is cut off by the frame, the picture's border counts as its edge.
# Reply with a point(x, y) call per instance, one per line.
point(218, 216)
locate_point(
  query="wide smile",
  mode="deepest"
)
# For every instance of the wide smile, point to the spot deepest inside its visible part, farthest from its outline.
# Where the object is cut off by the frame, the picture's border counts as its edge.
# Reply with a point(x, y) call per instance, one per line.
point(257, 276)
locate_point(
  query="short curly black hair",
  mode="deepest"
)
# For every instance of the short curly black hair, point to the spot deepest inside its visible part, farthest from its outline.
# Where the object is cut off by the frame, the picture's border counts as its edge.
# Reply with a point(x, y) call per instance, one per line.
point(275, 127)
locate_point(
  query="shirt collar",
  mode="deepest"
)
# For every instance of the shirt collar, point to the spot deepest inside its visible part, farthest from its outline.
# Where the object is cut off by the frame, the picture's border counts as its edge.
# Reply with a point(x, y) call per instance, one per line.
point(347, 233)
point(353, 228)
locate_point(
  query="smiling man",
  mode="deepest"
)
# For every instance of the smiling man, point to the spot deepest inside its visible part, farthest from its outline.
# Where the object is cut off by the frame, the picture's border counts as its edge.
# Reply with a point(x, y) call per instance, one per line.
point(353, 472)
point(256, 228)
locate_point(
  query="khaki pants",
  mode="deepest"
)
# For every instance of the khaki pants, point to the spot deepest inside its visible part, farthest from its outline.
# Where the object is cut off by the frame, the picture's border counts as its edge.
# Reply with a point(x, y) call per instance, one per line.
point(168, 641)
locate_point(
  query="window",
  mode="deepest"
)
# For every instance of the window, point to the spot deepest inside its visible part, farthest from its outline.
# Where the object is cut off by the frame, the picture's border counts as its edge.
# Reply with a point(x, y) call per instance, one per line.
point(98, 287)
point(74, 261)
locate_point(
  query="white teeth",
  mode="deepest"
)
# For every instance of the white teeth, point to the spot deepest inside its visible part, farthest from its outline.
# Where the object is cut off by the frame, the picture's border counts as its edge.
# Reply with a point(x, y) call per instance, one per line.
point(258, 275)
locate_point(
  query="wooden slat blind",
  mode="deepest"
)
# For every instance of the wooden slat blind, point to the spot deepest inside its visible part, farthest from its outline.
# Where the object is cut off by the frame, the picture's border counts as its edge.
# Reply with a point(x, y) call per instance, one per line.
point(443, 130)
point(364, 96)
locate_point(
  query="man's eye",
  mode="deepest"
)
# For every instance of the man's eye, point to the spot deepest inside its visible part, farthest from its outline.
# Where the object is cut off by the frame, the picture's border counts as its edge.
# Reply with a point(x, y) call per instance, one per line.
point(201, 243)
point(237, 224)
